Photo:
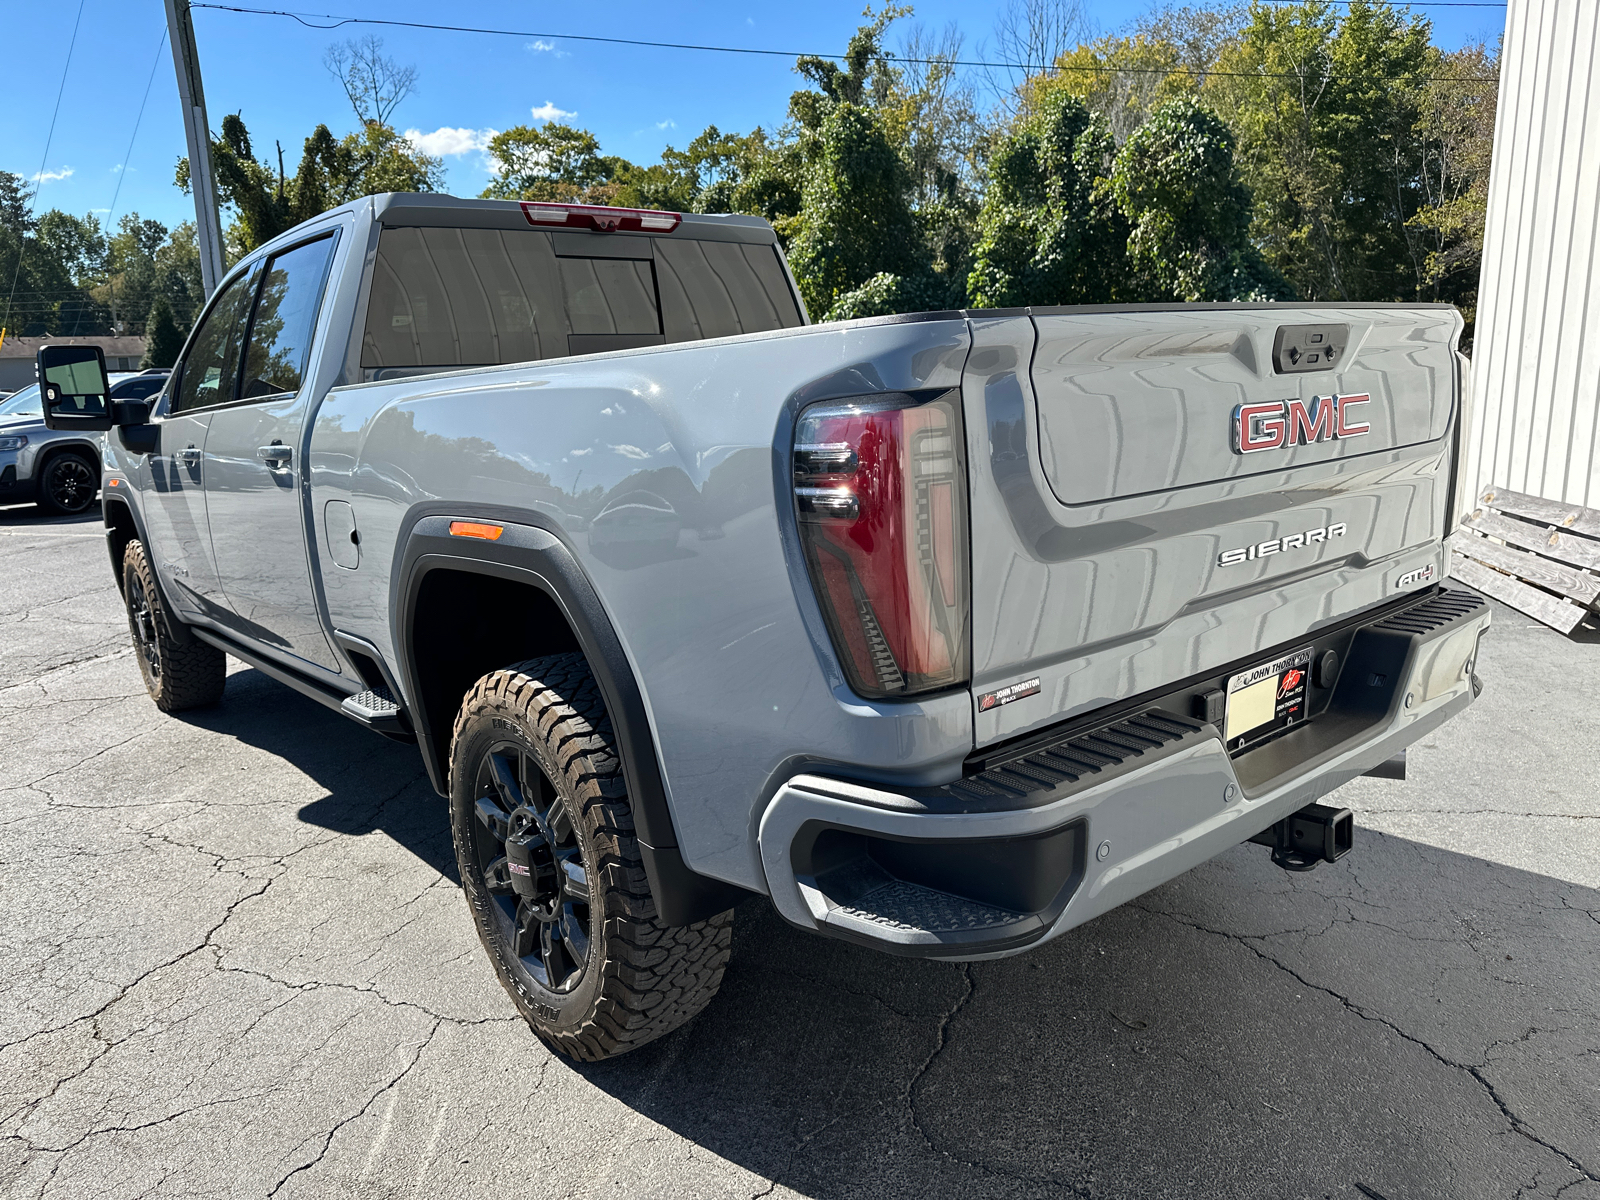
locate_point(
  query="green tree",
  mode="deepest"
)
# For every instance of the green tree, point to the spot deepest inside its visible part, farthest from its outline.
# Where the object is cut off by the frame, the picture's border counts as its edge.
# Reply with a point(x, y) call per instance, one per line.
point(1050, 231)
point(265, 202)
point(1326, 111)
point(855, 219)
point(163, 338)
point(1457, 130)
point(551, 161)
point(1187, 211)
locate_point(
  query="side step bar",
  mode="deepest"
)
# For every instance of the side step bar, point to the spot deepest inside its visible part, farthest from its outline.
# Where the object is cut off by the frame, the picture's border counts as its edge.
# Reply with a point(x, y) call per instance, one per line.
point(379, 712)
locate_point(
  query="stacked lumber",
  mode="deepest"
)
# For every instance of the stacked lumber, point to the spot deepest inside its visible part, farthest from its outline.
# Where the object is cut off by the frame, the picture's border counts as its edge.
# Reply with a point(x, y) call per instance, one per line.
point(1539, 556)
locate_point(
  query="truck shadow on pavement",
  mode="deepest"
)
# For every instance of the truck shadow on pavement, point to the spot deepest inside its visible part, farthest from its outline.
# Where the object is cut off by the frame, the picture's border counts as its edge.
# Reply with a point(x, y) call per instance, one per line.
point(1408, 1022)
point(1390, 1021)
point(373, 785)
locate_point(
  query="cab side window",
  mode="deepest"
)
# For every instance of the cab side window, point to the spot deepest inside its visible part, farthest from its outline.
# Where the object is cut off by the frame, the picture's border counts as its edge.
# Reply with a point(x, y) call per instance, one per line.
point(211, 369)
point(285, 320)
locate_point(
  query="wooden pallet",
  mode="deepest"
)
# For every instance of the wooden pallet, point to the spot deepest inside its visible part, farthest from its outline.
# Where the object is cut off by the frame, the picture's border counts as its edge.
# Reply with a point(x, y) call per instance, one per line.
point(1538, 556)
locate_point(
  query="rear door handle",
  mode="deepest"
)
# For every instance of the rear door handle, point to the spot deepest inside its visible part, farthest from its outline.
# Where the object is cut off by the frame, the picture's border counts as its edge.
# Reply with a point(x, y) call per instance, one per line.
point(276, 456)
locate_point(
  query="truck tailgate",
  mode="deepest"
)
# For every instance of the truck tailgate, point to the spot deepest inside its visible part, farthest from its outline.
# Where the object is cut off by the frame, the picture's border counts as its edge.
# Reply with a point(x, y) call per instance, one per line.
point(1157, 493)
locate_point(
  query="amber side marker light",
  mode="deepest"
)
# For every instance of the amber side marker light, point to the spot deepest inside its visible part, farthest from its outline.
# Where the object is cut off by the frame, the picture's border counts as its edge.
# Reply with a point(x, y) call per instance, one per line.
point(476, 529)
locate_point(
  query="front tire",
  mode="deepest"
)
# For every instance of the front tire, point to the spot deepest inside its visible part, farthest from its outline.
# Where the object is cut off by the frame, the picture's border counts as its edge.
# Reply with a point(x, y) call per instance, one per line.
point(68, 484)
point(178, 675)
point(551, 867)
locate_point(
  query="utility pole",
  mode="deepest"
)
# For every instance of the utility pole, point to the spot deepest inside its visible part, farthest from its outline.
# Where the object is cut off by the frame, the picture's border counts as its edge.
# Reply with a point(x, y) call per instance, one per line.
point(208, 229)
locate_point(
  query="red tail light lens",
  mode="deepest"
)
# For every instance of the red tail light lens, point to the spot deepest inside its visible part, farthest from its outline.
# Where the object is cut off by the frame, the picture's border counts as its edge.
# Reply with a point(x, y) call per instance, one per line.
point(880, 488)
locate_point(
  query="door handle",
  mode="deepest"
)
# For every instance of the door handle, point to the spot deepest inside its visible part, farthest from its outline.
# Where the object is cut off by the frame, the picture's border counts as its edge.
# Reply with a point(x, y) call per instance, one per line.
point(276, 456)
point(188, 456)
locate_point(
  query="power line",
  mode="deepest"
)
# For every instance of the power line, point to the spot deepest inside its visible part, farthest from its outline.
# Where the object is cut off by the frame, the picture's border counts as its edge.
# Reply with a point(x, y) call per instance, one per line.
point(123, 174)
point(309, 19)
point(38, 180)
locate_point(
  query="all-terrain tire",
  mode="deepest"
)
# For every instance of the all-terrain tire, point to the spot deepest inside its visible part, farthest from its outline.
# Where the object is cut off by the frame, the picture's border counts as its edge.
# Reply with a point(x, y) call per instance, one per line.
point(178, 674)
point(68, 484)
point(533, 750)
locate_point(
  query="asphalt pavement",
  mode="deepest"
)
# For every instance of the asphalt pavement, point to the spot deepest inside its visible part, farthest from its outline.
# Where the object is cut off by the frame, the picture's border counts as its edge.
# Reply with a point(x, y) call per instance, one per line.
point(235, 961)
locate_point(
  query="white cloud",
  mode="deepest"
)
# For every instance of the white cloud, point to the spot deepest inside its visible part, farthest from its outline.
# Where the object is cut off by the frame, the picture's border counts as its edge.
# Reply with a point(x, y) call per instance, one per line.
point(631, 451)
point(543, 47)
point(51, 176)
point(549, 112)
point(447, 142)
point(669, 123)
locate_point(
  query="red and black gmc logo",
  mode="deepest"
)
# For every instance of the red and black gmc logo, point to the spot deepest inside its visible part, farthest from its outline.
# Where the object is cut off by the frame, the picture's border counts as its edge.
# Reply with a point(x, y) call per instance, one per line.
point(1280, 423)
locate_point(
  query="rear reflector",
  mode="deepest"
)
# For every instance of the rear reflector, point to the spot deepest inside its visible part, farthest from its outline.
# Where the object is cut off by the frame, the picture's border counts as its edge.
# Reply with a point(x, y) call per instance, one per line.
point(476, 529)
point(881, 499)
point(596, 216)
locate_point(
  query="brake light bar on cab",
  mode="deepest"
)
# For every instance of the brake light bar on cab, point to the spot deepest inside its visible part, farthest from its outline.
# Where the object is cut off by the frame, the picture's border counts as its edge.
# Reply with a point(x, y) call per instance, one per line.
point(880, 487)
point(599, 216)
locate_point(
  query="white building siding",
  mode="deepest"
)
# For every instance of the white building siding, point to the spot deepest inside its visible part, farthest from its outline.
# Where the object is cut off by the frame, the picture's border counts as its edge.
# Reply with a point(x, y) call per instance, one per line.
point(1536, 362)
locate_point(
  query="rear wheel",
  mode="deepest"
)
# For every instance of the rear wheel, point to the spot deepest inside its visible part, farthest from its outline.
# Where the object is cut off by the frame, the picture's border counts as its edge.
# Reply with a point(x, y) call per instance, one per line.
point(68, 484)
point(551, 867)
point(178, 675)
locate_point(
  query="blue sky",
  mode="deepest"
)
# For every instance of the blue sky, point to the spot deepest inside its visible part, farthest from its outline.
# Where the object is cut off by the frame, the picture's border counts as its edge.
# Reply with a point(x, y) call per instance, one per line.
point(636, 100)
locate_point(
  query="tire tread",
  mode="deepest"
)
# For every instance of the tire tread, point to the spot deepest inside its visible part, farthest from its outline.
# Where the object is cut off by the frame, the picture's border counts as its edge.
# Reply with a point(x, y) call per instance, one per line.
point(655, 977)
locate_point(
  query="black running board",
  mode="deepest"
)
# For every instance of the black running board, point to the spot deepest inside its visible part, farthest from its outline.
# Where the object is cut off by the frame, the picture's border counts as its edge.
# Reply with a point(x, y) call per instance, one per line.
point(379, 713)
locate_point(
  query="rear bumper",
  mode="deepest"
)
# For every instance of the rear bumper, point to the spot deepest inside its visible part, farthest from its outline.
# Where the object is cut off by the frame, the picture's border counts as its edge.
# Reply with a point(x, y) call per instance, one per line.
point(1030, 848)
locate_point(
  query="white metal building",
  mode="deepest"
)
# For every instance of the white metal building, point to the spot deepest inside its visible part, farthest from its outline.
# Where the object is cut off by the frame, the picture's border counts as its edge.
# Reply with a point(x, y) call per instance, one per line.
point(1535, 422)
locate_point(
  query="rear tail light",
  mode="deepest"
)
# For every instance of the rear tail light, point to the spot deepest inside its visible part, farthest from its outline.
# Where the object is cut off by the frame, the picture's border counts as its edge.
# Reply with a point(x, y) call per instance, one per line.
point(880, 488)
point(596, 216)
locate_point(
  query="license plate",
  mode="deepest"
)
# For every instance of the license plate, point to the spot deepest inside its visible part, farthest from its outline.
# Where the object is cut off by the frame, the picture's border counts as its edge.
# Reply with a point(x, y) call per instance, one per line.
point(1267, 699)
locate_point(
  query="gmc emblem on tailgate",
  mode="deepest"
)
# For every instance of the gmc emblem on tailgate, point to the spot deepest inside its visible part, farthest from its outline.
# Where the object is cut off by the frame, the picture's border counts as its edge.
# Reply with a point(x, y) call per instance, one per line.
point(1280, 423)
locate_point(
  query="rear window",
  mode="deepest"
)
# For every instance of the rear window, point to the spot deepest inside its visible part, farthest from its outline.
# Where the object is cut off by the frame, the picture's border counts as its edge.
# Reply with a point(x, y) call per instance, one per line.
point(448, 298)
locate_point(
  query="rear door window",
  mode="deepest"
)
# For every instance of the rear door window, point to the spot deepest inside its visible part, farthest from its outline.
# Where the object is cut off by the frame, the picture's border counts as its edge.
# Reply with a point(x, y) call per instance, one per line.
point(211, 368)
point(446, 298)
point(285, 319)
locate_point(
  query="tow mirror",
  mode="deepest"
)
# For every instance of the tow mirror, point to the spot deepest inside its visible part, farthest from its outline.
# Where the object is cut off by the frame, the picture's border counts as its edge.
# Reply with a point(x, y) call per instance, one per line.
point(75, 390)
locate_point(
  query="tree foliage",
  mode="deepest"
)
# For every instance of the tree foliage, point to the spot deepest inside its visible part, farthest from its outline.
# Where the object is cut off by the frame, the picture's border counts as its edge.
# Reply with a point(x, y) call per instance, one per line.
point(1050, 232)
point(1310, 149)
point(1188, 214)
point(164, 339)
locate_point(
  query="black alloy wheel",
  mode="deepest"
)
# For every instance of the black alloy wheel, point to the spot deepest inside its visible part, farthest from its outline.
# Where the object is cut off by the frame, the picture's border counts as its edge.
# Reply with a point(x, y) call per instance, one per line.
point(68, 485)
point(180, 671)
point(553, 870)
point(527, 849)
point(142, 623)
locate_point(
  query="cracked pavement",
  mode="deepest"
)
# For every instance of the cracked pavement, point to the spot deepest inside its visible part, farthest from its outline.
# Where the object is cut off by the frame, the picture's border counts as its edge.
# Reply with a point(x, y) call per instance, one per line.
point(236, 962)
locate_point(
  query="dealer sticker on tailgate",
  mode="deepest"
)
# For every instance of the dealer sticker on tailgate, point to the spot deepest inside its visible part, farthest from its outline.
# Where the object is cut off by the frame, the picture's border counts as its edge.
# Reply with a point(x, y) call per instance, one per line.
point(1266, 699)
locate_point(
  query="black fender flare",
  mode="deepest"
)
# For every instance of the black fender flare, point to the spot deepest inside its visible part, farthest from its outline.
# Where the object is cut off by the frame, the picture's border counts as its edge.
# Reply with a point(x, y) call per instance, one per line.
point(177, 630)
point(529, 551)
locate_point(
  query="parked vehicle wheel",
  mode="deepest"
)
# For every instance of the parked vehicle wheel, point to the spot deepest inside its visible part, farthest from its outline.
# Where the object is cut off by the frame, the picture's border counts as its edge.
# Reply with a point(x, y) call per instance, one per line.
point(178, 675)
point(551, 868)
point(68, 484)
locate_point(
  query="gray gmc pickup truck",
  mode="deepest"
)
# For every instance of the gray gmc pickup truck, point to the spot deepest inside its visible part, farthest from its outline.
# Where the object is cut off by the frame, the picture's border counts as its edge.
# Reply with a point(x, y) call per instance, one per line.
point(945, 632)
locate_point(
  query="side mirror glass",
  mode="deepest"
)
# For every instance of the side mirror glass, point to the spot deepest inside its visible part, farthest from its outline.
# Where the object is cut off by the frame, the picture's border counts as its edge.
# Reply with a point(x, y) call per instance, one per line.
point(74, 388)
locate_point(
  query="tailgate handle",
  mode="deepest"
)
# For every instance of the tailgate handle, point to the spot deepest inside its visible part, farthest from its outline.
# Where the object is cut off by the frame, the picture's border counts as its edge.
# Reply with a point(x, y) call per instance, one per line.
point(1301, 348)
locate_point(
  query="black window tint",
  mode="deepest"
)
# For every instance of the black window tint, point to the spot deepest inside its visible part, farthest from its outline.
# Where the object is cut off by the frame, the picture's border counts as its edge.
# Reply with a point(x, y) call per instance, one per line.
point(717, 289)
point(211, 369)
point(285, 319)
point(443, 298)
point(610, 295)
point(463, 297)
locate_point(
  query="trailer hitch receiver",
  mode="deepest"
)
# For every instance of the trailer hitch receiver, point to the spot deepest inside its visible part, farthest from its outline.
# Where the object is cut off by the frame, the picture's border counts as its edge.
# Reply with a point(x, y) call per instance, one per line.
point(1318, 833)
